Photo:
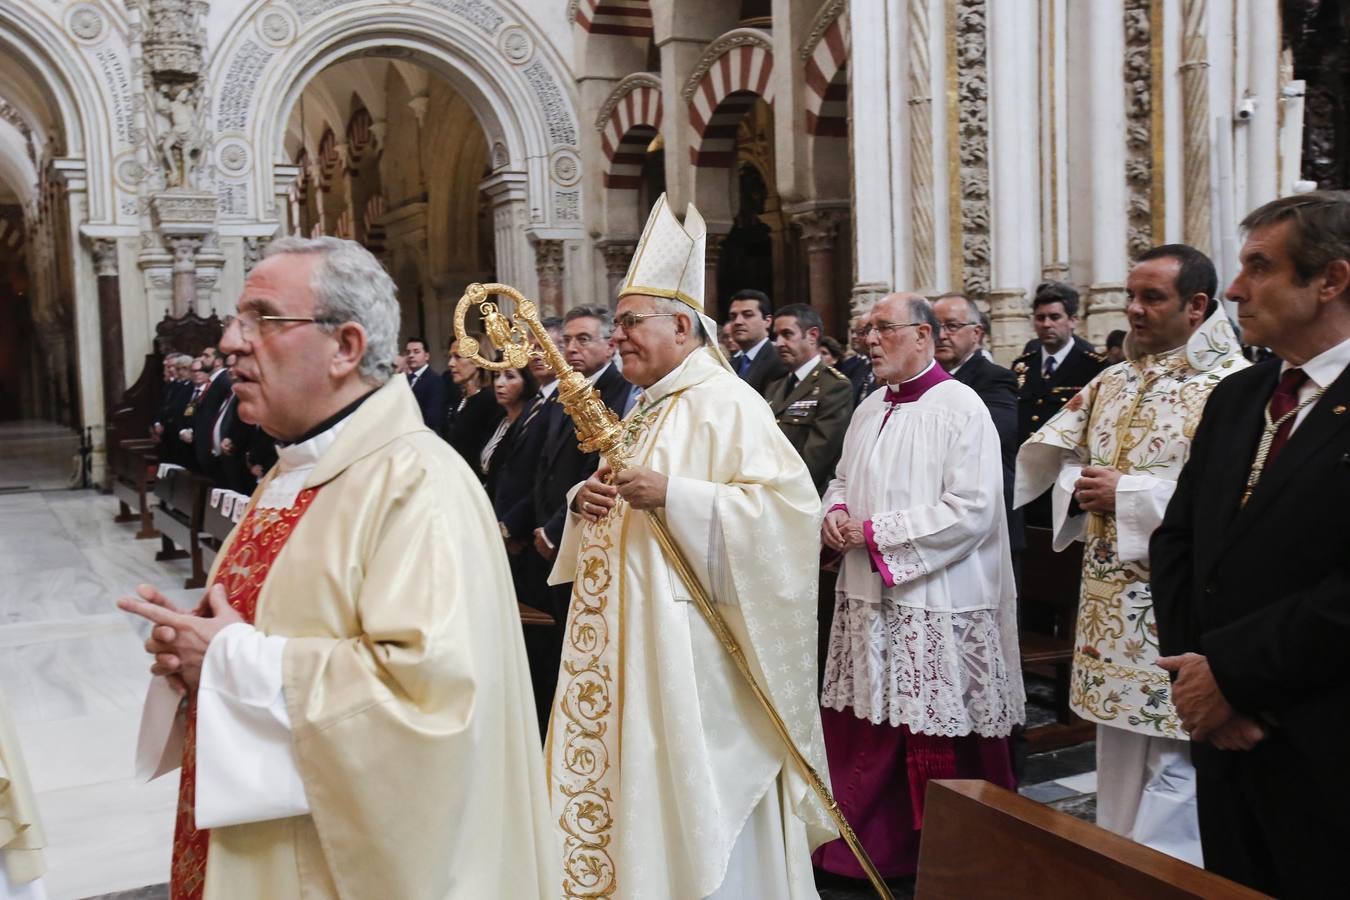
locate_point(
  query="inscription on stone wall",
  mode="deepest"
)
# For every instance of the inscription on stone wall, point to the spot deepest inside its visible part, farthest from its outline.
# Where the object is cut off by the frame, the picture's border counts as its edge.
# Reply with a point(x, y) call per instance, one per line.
point(567, 205)
point(482, 16)
point(231, 199)
point(236, 94)
point(561, 129)
point(119, 85)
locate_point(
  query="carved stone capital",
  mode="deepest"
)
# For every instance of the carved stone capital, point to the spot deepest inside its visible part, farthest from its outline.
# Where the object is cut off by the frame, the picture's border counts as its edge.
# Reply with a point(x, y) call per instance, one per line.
point(185, 249)
point(548, 259)
point(618, 256)
point(820, 228)
point(105, 257)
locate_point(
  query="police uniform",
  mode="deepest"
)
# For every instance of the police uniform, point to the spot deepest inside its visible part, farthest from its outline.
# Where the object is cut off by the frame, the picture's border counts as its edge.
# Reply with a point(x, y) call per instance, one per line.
point(814, 415)
point(1039, 398)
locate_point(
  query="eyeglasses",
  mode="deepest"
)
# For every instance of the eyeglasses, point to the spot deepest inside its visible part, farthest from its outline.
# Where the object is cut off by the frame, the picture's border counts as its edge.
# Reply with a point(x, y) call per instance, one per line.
point(628, 320)
point(954, 327)
point(581, 340)
point(251, 323)
point(866, 330)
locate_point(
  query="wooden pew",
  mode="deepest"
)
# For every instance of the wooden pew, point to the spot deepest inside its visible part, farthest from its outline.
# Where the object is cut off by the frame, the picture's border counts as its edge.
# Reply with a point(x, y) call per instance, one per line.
point(179, 516)
point(981, 842)
point(132, 465)
point(1048, 612)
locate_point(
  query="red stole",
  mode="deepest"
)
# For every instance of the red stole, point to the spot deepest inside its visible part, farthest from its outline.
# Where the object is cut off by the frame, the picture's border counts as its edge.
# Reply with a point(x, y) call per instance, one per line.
point(261, 535)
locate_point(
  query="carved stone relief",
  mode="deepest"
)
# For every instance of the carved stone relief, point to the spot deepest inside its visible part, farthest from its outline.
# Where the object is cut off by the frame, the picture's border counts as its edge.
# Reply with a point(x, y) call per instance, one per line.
point(516, 45)
point(553, 103)
point(972, 83)
point(85, 23)
point(241, 80)
point(1138, 127)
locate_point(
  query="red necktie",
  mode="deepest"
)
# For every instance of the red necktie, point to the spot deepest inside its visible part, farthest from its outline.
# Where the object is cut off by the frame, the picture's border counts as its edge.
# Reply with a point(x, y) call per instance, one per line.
point(1284, 400)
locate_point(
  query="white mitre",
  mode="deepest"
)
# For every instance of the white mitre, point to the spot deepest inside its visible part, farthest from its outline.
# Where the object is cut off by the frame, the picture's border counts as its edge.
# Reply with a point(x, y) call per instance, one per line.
point(669, 263)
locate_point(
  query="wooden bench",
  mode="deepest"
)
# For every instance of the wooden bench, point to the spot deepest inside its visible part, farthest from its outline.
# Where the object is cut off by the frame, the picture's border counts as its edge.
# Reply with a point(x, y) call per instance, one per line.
point(132, 464)
point(179, 516)
point(1048, 613)
point(981, 842)
point(223, 511)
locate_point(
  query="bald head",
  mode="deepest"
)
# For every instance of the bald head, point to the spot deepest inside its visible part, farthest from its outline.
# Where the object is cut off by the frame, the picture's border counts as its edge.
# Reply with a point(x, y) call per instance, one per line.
point(900, 340)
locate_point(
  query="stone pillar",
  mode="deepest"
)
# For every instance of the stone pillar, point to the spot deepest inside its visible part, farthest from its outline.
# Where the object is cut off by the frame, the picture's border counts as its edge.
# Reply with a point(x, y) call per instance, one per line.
point(1106, 129)
point(820, 233)
point(921, 148)
point(1010, 319)
point(110, 320)
point(506, 192)
point(1195, 133)
point(548, 262)
point(712, 254)
point(184, 274)
point(618, 256)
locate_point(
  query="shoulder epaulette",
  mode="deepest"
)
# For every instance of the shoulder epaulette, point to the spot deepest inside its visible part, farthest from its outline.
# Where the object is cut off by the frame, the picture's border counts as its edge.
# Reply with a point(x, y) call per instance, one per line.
point(836, 373)
point(1093, 354)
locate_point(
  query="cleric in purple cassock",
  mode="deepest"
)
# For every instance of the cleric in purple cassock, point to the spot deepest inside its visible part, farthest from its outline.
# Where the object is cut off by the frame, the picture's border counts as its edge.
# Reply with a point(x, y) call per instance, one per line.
point(922, 679)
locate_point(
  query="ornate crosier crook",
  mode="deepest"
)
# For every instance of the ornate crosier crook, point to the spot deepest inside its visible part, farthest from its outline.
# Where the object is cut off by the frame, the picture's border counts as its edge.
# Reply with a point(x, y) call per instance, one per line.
point(599, 430)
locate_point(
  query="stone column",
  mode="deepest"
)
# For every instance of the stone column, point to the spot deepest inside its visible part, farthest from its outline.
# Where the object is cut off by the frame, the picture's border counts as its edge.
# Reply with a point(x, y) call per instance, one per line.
point(712, 254)
point(1010, 319)
point(820, 233)
point(548, 263)
point(184, 274)
point(110, 320)
point(1195, 132)
point(1106, 130)
point(921, 148)
point(506, 192)
point(618, 255)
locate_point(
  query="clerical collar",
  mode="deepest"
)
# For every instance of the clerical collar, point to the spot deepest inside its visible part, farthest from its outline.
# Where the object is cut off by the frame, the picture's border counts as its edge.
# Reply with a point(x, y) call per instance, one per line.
point(913, 388)
point(1211, 345)
point(328, 422)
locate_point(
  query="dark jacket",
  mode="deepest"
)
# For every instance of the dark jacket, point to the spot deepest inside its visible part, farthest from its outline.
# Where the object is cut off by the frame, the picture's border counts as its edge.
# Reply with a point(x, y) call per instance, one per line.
point(997, 387)
point(814, 417)
point(1263, 591)
point(204, 420)
point(468, 428)
point(511, 471)
point(1039, 399)
point(561, 463)
point(429, 392)
point(766, 367)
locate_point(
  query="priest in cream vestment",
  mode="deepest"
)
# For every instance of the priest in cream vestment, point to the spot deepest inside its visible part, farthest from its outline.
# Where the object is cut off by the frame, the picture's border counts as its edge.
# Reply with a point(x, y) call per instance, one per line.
point(21, 841)
point(667, 779)
point(1113, 455)
point(358, 720)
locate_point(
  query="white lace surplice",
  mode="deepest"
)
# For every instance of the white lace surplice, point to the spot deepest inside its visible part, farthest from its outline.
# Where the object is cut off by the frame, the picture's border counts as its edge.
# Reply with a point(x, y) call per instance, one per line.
point(937, 651)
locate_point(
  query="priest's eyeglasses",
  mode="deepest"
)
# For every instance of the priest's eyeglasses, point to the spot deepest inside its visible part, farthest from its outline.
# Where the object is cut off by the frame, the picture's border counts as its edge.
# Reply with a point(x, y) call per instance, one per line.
point(251, 324)
point(629, 319)
point(866, 330)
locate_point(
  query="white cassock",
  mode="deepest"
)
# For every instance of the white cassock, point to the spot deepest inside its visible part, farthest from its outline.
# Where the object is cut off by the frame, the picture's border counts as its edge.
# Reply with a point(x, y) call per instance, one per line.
point(667, 779)
point(1138, 417)
point(21, 838)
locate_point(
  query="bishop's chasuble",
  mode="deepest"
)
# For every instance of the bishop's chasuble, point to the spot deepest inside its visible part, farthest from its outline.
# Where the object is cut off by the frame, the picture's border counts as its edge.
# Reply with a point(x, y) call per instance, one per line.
point(408, 727)
point(666, 777)
point(1137, 416)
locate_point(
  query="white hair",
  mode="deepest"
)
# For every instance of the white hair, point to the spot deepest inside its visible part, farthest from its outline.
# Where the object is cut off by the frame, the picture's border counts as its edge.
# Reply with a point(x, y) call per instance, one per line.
point(671, 305)
point(350, 285)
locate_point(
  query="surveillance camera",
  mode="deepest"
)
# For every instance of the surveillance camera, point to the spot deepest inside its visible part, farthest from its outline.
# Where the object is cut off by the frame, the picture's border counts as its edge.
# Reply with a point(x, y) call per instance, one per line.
point(1246, 109)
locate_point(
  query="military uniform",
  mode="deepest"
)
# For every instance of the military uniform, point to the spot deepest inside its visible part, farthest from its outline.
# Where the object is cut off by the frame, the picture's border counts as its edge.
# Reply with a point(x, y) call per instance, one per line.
point(1039, 398)
point(814, 415)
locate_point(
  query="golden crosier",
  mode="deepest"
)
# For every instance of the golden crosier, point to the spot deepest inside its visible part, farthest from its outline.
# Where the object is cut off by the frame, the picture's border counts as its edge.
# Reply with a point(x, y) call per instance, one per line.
point(598, 429)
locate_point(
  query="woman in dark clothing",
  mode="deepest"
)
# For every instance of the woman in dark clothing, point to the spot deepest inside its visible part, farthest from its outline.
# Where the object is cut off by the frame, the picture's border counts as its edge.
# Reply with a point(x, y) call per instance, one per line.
point(473, 420)
point(509, 460)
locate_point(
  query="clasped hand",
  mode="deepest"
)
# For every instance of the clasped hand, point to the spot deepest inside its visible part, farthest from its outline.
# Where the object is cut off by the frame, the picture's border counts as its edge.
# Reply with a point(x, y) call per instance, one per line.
point(179, 639)
point(841, 532)
point(642, 487)
point(1205, 713)
point(1095, 490)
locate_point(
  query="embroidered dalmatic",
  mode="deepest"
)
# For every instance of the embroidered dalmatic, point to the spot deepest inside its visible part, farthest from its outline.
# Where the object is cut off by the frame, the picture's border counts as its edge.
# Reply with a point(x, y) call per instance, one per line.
point(660, 760)
point(409, 717)
point(1138, 416)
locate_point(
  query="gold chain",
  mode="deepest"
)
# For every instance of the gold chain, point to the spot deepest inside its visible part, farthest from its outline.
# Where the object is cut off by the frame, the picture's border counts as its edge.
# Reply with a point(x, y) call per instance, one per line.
point(1268, 438)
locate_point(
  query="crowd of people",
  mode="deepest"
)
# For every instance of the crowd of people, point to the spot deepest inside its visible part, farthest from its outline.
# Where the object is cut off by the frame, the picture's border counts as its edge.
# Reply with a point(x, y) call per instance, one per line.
point(899, 474)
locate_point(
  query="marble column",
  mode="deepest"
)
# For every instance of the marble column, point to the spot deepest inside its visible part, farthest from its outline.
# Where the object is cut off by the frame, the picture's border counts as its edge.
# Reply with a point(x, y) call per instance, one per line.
point(820, 234)
point(507, 193)
point(712, 254)
point(618, 255)
point(1106, 130)
point(548, 262)
point(184, 274)
point(110, 320)
point(1195, 134)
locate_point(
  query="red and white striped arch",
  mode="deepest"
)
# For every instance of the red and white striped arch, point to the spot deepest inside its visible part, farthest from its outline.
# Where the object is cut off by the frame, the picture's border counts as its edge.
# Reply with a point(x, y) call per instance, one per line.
point(826, 81)
point(626, 17)
point(734, 80)
point(634, 121)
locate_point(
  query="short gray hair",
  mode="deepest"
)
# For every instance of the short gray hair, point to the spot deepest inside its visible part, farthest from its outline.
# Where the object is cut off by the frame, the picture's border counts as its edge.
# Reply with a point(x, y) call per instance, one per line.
point(180, 359)
point(602, 313)
point(921, 312)
point(350, 285)
point(671, 305)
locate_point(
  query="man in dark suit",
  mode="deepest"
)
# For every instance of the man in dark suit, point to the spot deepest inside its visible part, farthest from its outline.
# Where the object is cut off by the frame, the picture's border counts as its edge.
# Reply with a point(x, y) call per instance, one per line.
point(1049, 376)
point(427, 386)
point(757, 364)
point(589, 347)
point(206, 419)
point(1251, 566)
point(957, 350)
point(178, 392)
point(813, 402)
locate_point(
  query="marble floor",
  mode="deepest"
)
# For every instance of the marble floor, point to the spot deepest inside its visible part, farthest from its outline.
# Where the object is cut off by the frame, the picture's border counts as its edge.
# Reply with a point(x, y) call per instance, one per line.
point(73, 674)
point(37, 456)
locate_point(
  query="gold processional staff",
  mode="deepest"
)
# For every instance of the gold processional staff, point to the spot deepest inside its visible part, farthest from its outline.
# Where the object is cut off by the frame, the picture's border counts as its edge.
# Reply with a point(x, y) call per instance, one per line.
point(598, 429)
